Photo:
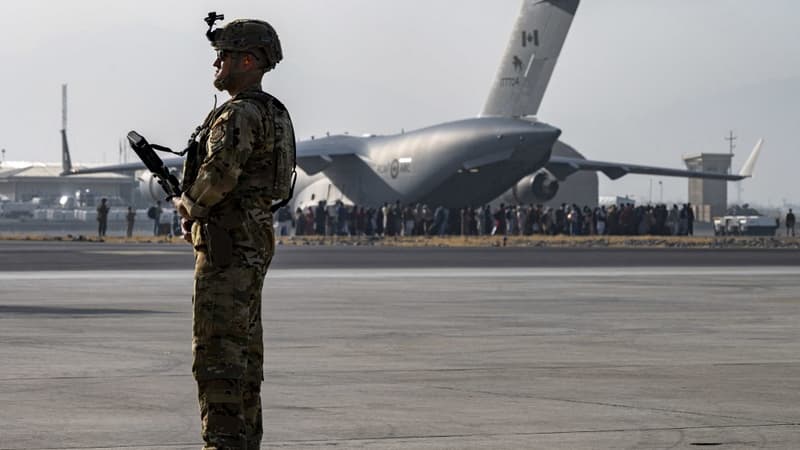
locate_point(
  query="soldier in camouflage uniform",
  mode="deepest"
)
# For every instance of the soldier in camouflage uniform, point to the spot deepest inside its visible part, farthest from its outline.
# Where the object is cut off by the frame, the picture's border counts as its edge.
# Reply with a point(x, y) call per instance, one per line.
point(244, 162)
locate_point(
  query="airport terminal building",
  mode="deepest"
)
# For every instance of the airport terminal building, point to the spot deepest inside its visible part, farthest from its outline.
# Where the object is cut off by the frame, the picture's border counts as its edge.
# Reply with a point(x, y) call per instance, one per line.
point(24, 182)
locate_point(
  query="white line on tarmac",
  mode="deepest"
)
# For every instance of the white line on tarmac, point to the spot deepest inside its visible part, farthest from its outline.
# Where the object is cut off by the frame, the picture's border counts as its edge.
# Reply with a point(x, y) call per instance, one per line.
point(371, 274)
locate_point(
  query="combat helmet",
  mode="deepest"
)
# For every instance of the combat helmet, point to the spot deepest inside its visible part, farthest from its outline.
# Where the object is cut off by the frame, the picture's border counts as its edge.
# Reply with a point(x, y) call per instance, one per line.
point(246, 35)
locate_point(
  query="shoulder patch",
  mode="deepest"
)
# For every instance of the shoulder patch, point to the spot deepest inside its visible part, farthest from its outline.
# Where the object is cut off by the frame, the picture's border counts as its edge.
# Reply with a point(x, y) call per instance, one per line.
point(217, 133)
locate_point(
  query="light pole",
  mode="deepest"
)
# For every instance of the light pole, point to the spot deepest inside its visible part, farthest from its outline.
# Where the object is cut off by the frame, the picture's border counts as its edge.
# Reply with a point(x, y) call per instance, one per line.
point(660, 191)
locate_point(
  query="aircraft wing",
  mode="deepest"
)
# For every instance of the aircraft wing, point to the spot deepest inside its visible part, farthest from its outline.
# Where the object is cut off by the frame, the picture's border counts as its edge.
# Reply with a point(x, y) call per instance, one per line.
point(562, 167)
point(127, 167)
point(314, 156)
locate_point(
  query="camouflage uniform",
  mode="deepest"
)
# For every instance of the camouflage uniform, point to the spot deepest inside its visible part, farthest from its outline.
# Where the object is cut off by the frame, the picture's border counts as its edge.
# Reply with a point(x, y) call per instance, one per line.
point(230, 200)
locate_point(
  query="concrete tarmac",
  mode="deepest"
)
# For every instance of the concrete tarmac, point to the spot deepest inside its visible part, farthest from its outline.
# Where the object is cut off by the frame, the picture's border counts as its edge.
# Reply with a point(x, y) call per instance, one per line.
point(434, 357)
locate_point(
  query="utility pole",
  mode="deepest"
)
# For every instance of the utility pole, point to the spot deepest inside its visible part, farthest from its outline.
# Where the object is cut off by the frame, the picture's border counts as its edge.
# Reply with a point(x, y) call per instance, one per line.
point(660, 192)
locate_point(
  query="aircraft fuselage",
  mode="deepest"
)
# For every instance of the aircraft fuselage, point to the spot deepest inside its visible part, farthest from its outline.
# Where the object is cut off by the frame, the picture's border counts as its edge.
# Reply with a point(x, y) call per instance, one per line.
point(455, 164)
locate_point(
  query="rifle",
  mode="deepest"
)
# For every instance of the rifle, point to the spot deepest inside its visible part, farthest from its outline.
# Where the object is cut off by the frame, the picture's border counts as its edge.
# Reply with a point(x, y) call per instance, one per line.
point(146, 152)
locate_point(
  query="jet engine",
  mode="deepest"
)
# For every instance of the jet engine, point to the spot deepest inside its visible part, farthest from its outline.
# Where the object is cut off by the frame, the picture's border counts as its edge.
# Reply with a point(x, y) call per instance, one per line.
point(544, 186)
point(540, 187)
point(148, 190)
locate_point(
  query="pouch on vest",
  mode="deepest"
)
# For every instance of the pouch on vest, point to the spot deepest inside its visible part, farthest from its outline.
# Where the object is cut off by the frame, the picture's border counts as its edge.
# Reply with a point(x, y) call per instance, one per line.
point(219, 245)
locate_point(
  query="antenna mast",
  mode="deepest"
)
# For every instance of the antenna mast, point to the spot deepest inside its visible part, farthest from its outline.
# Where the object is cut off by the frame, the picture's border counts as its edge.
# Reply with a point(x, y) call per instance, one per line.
point(732, 141)
point(732, 145)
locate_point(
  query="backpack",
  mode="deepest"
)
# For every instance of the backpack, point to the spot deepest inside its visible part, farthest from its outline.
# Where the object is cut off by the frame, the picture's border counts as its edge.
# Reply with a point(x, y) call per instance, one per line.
point(152, 212)
point(285, 148)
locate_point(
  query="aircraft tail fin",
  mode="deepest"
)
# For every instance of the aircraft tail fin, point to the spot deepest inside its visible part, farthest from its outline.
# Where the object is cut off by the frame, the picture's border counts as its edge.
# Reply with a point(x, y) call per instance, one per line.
point(530, 58)
point(66, 161)
point(750, 164)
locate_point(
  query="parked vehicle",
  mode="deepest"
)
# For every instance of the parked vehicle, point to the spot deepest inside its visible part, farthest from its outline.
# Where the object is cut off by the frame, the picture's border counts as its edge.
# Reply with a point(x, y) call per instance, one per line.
point(745, 221)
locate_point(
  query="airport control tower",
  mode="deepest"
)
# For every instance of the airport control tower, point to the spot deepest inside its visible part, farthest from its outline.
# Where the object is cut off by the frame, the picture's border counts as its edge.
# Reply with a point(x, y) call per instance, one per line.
point(709, 197)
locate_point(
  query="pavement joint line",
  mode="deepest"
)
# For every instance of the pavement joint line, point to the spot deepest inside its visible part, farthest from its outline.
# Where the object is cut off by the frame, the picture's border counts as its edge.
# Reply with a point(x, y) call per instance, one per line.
point(109, 377)
point(185, 444)
point(611, 405)
point(443, 370)
point(539, 433)
point(442, 436)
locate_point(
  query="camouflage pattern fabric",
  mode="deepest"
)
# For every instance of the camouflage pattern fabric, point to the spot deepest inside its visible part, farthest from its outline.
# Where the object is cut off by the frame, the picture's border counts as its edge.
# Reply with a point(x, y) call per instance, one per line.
point(234, 244)
point(228, 351)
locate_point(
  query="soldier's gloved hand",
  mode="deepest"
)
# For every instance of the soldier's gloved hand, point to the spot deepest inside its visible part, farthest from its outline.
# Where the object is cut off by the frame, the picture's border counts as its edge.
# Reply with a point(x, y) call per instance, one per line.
point(180, 207)
point(186, 227)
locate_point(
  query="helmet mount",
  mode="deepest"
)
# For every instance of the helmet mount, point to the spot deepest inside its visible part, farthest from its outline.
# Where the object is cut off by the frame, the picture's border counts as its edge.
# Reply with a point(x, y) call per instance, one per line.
point(211, 19)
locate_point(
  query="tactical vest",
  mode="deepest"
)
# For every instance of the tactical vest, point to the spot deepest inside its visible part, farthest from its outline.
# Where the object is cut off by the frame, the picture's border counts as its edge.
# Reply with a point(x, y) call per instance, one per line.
point(277, 185)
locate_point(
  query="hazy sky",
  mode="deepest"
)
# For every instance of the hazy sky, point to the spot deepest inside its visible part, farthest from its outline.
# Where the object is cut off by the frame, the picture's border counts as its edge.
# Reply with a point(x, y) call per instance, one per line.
point(638, 81)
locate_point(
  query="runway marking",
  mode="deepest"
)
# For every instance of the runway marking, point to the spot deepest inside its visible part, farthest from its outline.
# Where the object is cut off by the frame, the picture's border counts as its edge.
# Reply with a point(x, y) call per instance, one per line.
point(382, 274)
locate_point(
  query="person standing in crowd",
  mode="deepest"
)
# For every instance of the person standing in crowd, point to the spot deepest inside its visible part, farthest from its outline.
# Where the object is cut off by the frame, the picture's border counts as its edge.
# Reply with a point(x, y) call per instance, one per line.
point(500, 225)
point(534, 220)
point(310, 220)
point(690, 220)
point(359, 221)
point(577, 220)
point(790, 220)
point(300, 227)
point(380, 220)
point(346, 219)
point(300, 224)
point(427, 220)
point(409, 220)
point(510, 220)
point(154, 213)
point(683, 220)
point(176, 224)
point(487, 222)
point(561, 218)
point(130, 218)
point(383, 225)
point(438, 217)
point(102, 217)
point(600, 220)
point(674, 220)
point(397, 218)
point(479, 220)
point(319, 218)
point(285, 221)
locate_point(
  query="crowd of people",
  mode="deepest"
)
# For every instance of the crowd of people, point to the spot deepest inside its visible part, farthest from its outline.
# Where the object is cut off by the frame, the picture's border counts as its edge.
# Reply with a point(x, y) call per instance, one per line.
point(396, 219)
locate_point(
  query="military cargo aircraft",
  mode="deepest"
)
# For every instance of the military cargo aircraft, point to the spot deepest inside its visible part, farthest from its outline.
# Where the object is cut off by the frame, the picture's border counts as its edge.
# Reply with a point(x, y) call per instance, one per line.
point(505, 151)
